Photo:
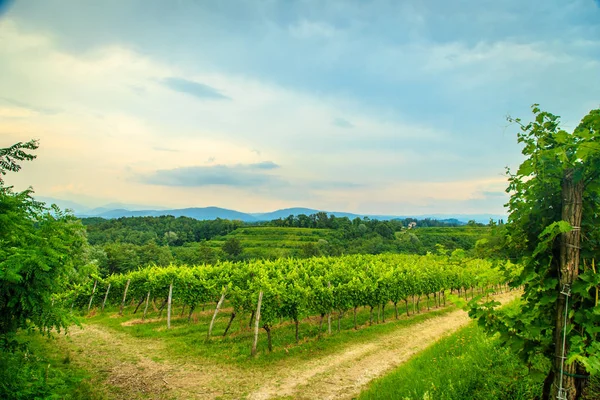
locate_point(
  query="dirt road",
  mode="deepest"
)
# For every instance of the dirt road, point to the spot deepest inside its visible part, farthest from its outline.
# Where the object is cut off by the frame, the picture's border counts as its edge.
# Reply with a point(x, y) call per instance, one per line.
point(133, 368)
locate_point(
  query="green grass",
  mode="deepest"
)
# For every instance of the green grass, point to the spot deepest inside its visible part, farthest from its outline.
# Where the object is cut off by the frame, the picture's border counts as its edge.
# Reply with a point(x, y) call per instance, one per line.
point(466, 365)
point(188, 340)
point(42, 371)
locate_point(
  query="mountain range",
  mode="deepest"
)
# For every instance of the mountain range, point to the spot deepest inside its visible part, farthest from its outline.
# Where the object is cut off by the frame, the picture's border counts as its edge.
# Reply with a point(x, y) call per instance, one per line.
point(118, 210)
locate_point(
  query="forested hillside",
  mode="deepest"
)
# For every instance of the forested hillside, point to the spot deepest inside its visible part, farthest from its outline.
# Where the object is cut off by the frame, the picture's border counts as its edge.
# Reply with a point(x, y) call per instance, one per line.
point(128, 243)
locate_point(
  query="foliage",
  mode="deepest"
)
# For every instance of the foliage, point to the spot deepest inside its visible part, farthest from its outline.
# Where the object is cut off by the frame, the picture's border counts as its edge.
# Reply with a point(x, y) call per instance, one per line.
point(295, 288)
point(25, 374)
point(233, 248)
point(163, 230)
point(41, 251)
point(123, 244)
point(532, 232)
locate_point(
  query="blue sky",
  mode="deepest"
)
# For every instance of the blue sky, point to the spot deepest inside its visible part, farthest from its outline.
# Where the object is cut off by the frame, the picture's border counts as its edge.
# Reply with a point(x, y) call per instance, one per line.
point(393, 107)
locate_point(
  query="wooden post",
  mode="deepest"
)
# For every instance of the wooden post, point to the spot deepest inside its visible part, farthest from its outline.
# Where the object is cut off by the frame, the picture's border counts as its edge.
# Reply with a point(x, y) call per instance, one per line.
point(105, 296)
point(229, 324)
point(257, 318)
point(147, 303)
point(169, 300)
point(212, 322)
point(124, 297)
point(572, 212)
point(329, 314)
point(92, 296)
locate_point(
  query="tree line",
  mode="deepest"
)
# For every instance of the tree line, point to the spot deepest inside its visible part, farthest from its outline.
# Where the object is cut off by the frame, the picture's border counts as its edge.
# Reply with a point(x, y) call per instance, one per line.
point(123, 244)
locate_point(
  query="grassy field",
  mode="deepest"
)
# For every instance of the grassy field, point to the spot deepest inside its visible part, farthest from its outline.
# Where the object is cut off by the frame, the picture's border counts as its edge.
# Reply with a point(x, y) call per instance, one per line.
point(465, 365)
point(274, 241)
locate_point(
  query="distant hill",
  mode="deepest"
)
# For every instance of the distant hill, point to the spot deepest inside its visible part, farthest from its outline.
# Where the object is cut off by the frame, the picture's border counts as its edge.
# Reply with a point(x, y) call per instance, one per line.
point(65, 204)
point(286, 212)
point(118, 210)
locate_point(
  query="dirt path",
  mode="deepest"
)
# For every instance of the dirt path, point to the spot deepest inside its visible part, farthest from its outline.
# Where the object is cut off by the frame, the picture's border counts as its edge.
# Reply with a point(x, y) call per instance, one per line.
point(132, 368)
point(343, 376)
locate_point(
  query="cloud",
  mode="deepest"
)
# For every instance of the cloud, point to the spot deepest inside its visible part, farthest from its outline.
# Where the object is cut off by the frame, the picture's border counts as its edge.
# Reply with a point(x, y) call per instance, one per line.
point(264, 165)
point(195, 89)
point(342, 123)
point(488, 194)
point(425, 86)
point(330, 185)
point(240, 175)
point(20, 104)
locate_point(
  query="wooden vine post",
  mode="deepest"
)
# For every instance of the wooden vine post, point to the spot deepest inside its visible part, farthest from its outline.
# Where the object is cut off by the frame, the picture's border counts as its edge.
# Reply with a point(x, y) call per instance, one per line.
point(105, 297)
point(329, 314)
point(572, 212)
point(146, 307)
point(169, 301)
point(92, 296)
point(212, 322)
point(257, 319)
point(124, 296)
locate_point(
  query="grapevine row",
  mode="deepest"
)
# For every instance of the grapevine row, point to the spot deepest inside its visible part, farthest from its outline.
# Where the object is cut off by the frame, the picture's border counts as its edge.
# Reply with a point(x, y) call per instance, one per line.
point(294, 289)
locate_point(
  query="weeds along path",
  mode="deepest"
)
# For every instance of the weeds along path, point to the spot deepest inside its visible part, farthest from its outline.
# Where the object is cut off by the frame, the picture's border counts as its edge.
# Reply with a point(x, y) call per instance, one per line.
point(132, 368)
point(344, 375)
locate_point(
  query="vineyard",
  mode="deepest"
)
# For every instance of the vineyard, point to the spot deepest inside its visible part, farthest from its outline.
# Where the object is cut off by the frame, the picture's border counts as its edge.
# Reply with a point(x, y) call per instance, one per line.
point(271, 292)
point(273, 242)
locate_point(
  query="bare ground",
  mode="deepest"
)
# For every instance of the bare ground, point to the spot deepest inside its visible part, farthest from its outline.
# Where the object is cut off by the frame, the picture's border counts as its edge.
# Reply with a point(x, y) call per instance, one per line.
point(131, 368)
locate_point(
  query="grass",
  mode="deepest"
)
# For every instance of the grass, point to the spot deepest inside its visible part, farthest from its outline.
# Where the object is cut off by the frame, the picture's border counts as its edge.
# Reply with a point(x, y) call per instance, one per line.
point(42, 371)
point(465, 365)
point(188, 340)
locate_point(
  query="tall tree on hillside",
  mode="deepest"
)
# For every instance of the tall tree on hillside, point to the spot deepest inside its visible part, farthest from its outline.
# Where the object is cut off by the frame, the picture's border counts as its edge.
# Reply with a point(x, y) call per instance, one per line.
point(233, 247)
point(554, 225)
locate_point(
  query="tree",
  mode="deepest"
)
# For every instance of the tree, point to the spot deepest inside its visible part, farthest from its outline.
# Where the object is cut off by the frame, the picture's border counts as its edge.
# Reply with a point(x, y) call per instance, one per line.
point(41, 251)
point(553, 226)
point(310, 250)
point(121, 258)
point(233, 247)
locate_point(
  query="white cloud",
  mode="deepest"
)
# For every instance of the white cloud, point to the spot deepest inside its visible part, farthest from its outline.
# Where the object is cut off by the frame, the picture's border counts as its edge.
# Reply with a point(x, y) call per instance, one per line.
point(106, 133)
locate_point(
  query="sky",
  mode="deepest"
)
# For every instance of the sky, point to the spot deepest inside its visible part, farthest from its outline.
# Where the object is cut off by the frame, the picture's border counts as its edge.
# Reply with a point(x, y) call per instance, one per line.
point(378, 107)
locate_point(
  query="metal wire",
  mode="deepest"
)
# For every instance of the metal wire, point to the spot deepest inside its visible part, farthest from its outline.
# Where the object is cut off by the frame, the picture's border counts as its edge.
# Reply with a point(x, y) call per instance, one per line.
point(562, 393)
